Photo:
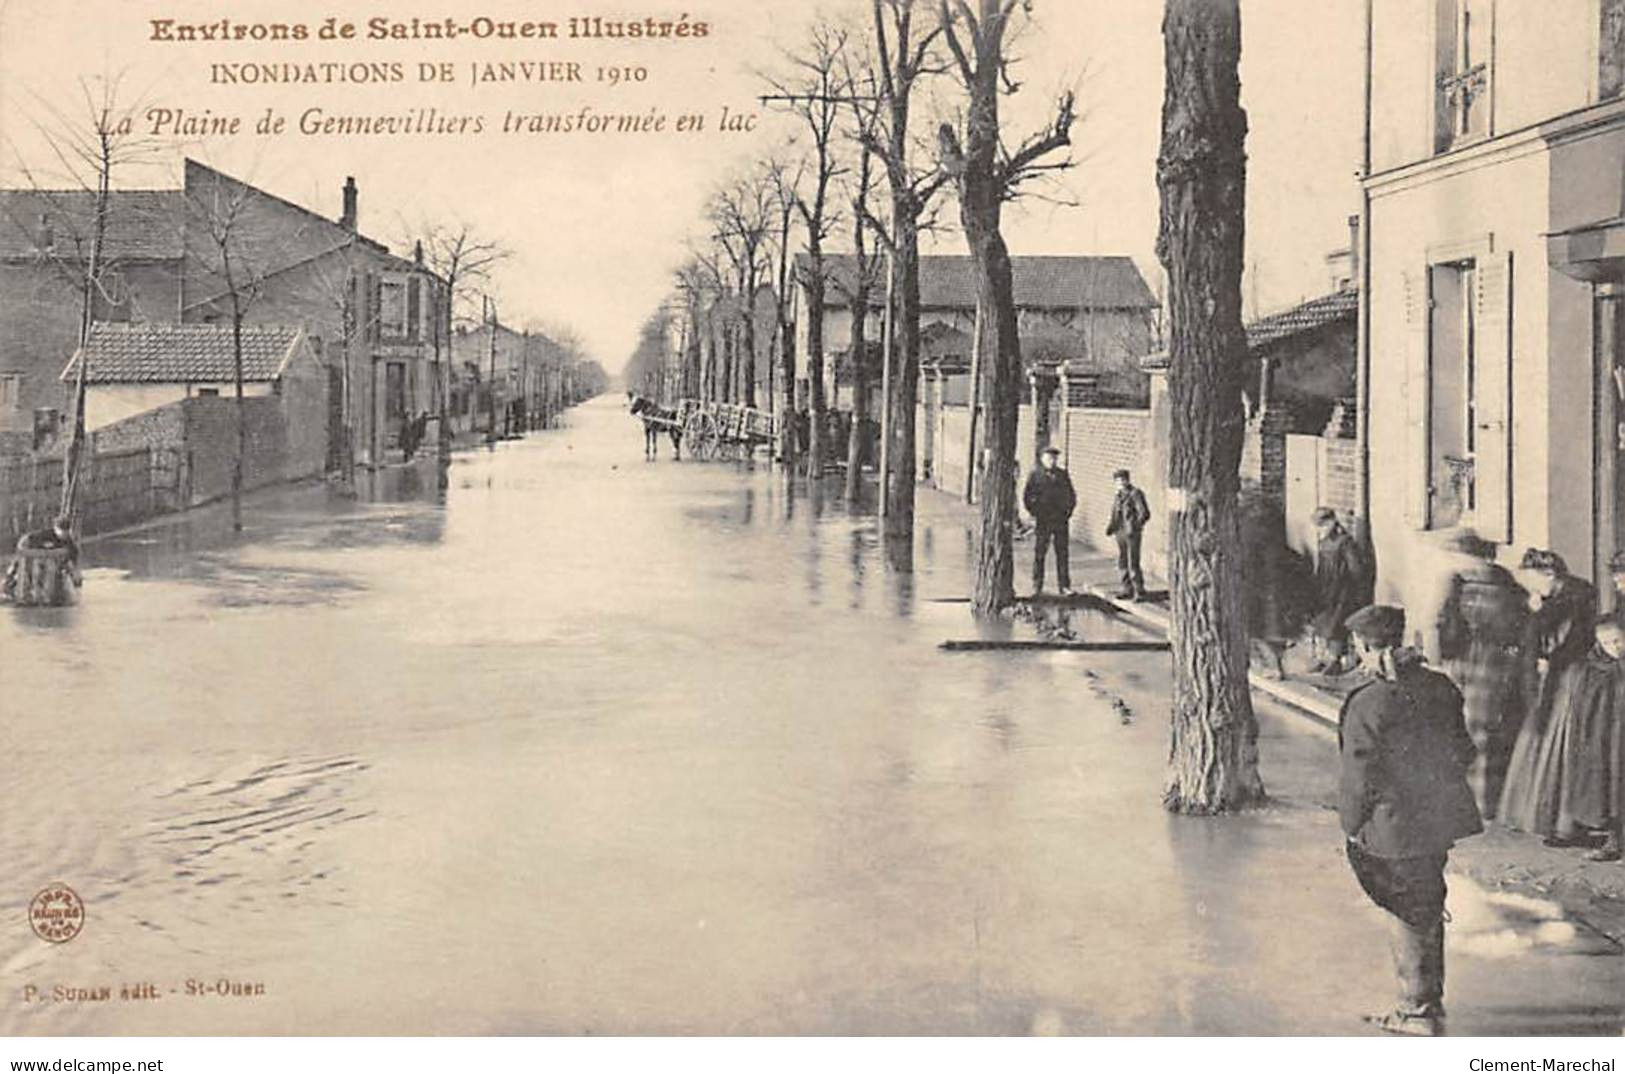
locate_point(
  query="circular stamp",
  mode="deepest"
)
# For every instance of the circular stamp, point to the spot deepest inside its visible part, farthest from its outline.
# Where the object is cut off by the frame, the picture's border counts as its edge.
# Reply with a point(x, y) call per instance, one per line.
point(57, 914)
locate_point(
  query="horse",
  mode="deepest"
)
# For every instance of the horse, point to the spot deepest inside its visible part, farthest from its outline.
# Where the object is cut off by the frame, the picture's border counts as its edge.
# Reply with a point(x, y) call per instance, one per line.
point(655, 418)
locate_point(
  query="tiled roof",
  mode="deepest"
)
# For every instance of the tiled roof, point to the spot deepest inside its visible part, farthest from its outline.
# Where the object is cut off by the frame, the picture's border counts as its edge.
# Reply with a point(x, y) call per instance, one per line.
point(1305, 317)
point(948, 281)
point(140, 223)
point(182, 353)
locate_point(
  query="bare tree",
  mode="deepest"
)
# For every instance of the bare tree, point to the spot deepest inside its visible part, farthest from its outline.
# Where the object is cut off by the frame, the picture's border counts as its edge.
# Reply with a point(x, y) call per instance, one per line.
point(784, 206)
point(987, 175)
point(221, 225)
point(464, 261)
point(741, 213)
point(817, 92)
point(86, 148)
point(1202, 173)
point(903, 56)
point(693, 282)
point(857, 291)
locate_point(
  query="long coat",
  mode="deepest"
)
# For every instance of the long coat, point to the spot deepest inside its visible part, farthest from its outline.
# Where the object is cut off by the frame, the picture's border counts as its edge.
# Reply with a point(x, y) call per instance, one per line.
point(1340, 583)
point(1403, 790)
point(1049, 496)
point(1559, 780)
point(1481, 632)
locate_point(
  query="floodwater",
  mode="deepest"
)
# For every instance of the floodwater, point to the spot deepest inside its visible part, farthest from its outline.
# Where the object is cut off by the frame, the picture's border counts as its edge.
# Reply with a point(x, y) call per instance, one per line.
point(595, 745)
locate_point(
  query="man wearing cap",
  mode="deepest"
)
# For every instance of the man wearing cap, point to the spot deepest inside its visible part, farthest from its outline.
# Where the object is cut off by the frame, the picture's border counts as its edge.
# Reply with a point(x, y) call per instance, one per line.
point(1404, 801)
point(1129, 516)
point(1050, 499)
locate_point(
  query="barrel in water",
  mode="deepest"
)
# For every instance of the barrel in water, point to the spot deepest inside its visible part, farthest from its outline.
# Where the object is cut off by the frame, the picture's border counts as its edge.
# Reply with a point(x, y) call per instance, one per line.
point(41, 576)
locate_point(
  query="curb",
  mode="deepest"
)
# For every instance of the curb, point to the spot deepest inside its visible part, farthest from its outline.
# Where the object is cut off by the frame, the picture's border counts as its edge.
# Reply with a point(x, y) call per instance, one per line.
point(1303, 700)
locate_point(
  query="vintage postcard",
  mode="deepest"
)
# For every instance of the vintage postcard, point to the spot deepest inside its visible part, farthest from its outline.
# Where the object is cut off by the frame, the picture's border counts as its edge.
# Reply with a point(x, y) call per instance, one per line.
point(773, 518)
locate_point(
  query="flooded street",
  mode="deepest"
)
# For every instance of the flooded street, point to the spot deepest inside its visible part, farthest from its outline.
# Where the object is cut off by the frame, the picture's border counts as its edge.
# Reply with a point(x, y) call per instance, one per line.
point(594, 745)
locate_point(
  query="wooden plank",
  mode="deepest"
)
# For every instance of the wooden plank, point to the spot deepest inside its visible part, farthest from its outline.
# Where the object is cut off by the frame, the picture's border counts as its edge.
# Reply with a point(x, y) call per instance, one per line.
point(984, 645)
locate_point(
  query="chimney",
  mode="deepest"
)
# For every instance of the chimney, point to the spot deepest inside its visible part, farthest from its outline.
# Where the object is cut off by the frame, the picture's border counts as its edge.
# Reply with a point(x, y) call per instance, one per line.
point(47, 236)
point(348, 217)
point(417, 253)
point(1354, 251)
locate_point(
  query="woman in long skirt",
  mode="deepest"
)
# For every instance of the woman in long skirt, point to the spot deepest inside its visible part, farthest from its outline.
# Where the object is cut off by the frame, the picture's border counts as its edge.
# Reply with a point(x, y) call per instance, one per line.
point(1481, 632)
point(1558, 638)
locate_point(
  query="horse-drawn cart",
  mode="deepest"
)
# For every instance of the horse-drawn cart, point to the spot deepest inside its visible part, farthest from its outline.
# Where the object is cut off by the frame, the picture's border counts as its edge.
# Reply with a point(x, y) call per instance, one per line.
point(724, 430)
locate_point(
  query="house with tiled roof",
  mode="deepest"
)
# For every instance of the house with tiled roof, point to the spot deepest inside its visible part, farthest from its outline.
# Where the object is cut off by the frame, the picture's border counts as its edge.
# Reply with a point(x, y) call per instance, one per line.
point(374, 320)
point(1094, 310)
point(45, 240)
point(133, 368)
point(170, 390)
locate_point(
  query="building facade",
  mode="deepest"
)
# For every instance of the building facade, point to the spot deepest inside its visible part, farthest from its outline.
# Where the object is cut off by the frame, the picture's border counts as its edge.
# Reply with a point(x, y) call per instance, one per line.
point(1495, 193)
point(1093, 311)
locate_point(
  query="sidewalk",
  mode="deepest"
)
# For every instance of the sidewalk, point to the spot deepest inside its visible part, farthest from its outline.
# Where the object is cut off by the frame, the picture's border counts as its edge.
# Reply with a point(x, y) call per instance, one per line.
point(1591, 892)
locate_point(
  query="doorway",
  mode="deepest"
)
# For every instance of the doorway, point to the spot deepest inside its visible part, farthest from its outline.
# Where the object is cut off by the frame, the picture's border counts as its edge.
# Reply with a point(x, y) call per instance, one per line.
point(1608, 306)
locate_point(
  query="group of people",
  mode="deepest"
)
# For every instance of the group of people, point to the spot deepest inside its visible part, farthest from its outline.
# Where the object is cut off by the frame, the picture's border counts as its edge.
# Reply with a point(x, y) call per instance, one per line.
point(1543, 690)
point(1050, 498)
point(1524, 722)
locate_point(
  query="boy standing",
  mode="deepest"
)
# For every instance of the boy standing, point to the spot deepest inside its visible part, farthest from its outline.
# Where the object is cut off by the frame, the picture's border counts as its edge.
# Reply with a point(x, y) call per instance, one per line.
point(1130, 513)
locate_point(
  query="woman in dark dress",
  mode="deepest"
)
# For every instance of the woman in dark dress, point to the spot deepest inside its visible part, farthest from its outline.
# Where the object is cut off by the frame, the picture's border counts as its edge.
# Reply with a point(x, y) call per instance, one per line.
point(1557, 640)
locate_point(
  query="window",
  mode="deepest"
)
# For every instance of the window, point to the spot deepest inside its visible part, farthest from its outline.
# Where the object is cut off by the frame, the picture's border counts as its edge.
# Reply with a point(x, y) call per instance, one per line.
point(1463, 40)
point(11, 390)
point(1458, 396)
point(208, 393)
point(392, 308)
point(1452, 418)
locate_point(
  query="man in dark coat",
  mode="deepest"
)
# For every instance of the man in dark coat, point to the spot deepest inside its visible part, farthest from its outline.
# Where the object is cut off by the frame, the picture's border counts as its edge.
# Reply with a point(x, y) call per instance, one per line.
point(1404, 801)
point(1130, 513)
point(1340, 589)
point(1050, 499)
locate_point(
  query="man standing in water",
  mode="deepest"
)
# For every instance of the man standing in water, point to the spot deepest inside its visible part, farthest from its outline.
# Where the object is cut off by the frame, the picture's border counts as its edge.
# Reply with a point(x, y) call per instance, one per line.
point(1050, 499)
point(1404, 801)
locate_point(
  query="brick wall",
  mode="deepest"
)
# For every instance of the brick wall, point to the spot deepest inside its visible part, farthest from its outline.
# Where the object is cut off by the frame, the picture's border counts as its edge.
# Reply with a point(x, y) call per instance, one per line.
point(1096, 443)
point(1340, 488)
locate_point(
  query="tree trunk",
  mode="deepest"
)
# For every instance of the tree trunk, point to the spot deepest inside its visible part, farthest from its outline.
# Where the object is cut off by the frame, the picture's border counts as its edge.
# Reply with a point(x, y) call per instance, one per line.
point(860, 388)
point(981, 200)
point(815, 285)
point(1201, 172)
point(242, 417)
point(905, 377)
point(747, 363)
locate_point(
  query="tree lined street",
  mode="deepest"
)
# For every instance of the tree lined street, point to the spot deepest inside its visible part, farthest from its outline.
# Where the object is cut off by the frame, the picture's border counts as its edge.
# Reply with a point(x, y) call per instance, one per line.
point(739, 788)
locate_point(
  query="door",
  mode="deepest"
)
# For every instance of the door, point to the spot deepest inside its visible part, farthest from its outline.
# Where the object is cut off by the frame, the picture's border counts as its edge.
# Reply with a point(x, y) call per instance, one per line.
point(1610, 447)
point(394, 398)
point(335, 419)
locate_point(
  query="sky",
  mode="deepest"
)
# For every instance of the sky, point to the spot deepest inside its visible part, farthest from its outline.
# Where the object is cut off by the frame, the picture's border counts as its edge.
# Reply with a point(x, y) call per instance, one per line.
point(596, 222)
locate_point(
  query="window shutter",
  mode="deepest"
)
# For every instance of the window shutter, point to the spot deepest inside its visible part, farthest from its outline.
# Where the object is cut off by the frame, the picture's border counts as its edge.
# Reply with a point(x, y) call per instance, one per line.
point(414, 309)
point(1492, 397)
point(375, 307)
point(1418, 466)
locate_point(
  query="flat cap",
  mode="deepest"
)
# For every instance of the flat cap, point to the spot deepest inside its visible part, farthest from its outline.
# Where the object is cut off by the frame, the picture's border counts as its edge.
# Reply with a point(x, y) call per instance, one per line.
point(1120, 473)
point(1050, 449)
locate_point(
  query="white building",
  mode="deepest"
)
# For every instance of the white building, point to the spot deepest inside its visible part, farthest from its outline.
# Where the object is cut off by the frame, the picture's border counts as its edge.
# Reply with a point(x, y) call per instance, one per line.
point(1492, 363)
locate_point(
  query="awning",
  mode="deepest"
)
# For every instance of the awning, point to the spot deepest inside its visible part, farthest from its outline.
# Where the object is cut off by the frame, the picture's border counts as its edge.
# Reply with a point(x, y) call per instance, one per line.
point(1592, 252)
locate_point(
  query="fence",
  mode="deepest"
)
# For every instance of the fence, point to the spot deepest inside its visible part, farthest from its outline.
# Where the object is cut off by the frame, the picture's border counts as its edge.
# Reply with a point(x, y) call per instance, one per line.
point(116, 489)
